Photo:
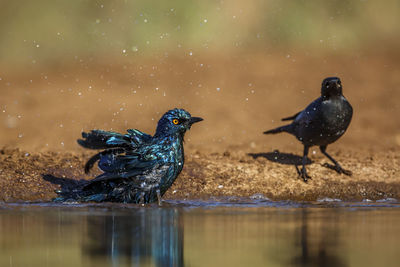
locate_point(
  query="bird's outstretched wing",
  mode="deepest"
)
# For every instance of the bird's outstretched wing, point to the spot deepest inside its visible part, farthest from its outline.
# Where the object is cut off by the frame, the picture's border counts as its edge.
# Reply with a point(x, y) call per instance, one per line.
point(123, 166)
point(99, 139)
point(114, 143)
point(138, 136)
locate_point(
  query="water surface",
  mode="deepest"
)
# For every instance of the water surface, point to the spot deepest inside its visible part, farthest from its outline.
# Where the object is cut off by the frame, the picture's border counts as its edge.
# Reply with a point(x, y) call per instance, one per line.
point(201, 233)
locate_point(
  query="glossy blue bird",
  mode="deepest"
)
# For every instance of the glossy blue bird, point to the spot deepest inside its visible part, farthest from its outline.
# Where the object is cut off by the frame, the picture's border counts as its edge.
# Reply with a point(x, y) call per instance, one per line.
point(138, 168)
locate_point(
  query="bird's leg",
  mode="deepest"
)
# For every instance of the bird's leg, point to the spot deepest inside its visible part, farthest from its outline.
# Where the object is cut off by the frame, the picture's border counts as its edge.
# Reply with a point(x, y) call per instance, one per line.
point(141, 201)
point(298, 170)
point(337, 166)
point(159, 197)
point(303, 173)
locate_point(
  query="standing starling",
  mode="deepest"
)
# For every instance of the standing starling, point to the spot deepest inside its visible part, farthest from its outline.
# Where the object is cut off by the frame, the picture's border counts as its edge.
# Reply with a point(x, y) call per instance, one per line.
point(323, 122)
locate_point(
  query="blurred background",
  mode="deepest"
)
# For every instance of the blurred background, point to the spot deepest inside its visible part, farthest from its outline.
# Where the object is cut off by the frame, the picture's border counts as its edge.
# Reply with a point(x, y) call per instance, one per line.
point(68, 66)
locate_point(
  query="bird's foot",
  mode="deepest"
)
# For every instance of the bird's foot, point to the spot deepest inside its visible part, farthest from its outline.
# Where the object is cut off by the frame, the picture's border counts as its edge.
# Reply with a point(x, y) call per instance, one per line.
point(159, 197)
point(338, 169)
point(141, 201)
point(304, 175)
point(347, 172)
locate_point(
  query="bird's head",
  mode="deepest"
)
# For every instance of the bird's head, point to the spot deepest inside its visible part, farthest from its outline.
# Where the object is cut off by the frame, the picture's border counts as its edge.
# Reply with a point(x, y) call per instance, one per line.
point(175, 121)
point(331, 86)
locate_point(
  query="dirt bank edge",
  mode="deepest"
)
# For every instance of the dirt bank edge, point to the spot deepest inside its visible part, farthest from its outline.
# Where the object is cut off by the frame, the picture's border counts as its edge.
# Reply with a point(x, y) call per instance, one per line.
point(26, 176)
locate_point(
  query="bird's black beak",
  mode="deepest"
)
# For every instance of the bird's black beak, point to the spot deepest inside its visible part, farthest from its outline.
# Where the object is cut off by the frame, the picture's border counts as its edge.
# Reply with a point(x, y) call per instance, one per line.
point(194, 120)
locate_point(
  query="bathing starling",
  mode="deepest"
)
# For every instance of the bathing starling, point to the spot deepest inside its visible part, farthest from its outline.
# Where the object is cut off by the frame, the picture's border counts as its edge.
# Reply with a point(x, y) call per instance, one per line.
point(323, 122)
point(138, 168)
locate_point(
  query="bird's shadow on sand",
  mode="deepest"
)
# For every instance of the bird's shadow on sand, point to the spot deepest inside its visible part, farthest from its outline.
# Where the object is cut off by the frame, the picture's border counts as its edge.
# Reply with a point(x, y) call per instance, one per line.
point(282, 158)
point(67, 184)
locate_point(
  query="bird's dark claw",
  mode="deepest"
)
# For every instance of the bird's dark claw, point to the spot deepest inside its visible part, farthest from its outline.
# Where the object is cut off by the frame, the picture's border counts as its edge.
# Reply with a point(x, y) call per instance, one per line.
point(303, 173)
point(306, 177)
point(338, 169)
point(347, 172)
point(141, 200)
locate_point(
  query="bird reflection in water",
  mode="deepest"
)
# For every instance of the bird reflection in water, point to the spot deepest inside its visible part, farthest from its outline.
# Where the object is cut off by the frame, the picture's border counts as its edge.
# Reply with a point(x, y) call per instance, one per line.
point(143, 237)
point(318, 244)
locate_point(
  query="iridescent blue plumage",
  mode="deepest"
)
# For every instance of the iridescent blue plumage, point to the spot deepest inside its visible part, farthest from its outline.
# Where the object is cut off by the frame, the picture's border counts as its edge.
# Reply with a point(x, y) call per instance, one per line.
point(138, 168)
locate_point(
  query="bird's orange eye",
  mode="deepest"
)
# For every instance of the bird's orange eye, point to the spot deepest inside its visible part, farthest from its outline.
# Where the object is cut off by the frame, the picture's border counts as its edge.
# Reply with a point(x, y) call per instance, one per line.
point(175, 121)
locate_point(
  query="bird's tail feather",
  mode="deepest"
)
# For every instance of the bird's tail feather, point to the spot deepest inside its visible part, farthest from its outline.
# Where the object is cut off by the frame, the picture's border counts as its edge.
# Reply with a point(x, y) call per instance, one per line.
point(286, 128)
point(291, 117)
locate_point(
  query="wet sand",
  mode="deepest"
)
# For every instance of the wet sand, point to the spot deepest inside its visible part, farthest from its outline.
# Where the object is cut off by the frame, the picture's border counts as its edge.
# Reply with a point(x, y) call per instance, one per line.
point(43, 110)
